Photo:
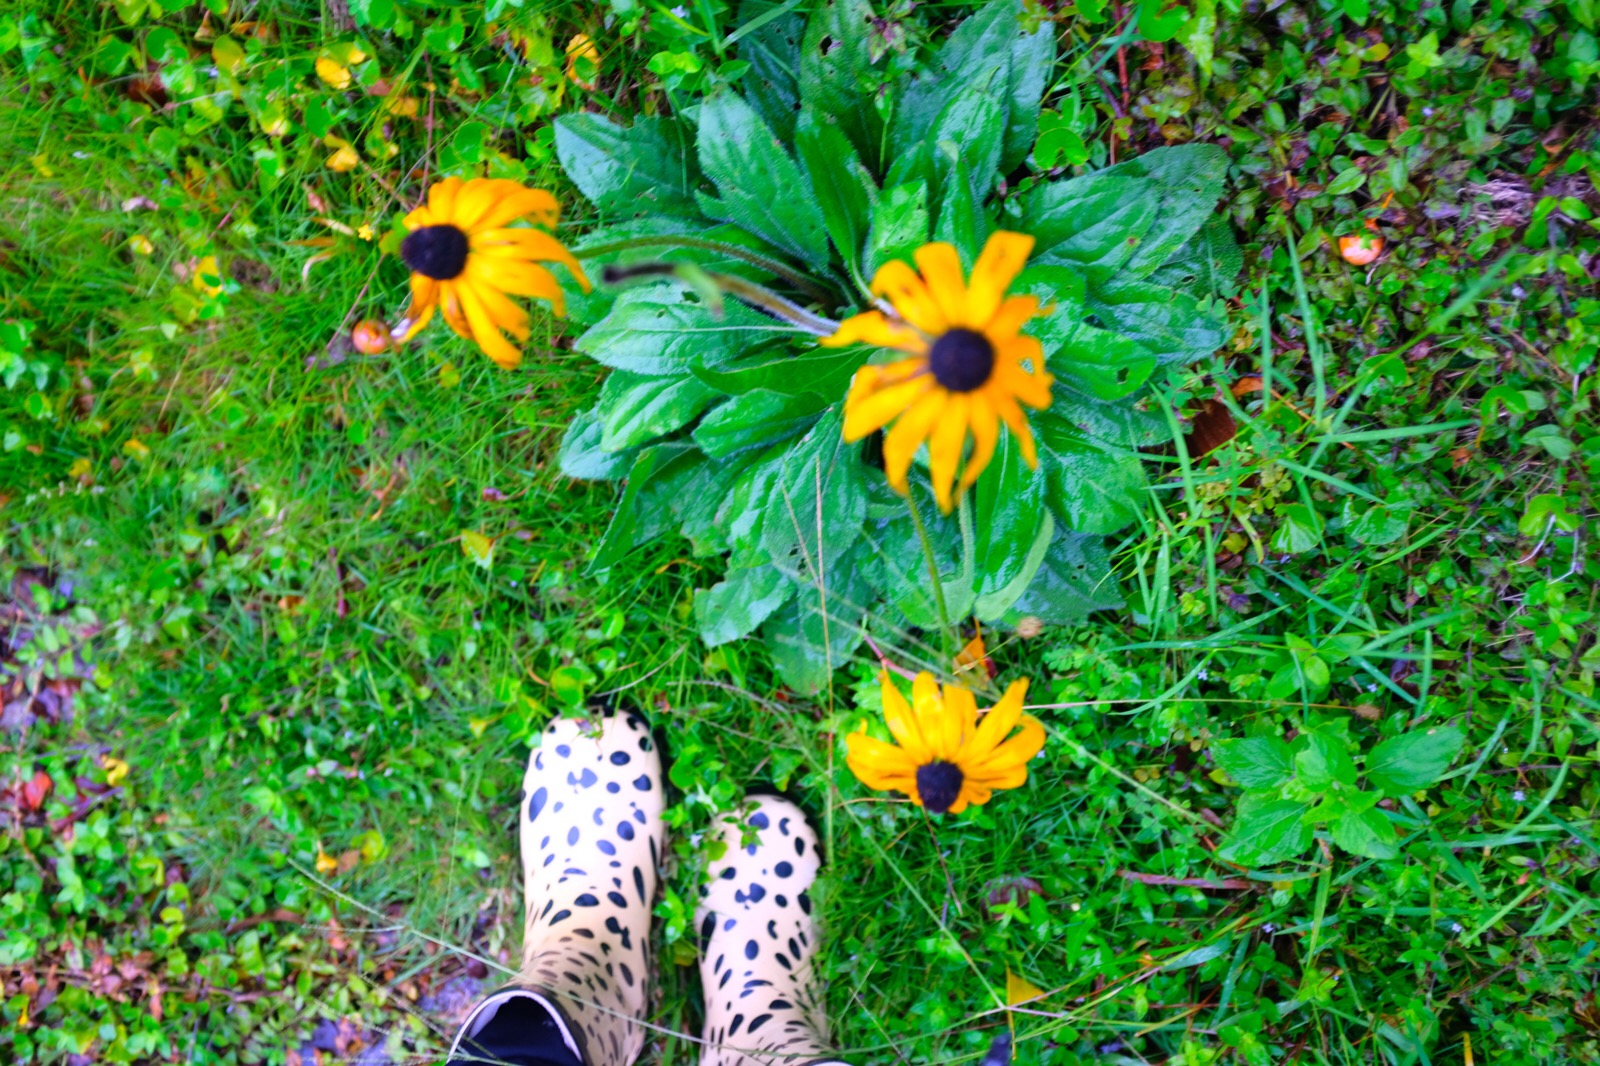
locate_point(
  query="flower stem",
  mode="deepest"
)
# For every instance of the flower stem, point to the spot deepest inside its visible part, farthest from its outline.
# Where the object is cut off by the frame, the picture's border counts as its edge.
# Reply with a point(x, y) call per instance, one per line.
point(732, 251)
point(712, 284)
point(933, 572)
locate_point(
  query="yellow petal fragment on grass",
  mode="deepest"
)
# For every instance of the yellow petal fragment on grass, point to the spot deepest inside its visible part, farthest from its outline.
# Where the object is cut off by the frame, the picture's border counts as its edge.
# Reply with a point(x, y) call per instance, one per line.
point(335, 74)
point(477, 547)
point(1021, 990)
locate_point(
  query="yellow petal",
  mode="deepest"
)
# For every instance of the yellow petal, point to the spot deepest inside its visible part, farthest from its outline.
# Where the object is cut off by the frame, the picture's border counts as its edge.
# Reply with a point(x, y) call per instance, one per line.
point(910, 297)
point(941, 270)
point(944, 448)
point(489, 338)
point(1007, 408)
point(874, 327)
point(903, 723)
point(450, 305)
point(419, 217)
point(900, 444)
point(535, 204)
point(521, 279)
point(874, 762)
point(442, 197)
point(1012, 754)
point(973, 793)
point(962, 708)
point(997, 266)
point(1013, 312)
point(985, 434)
point(475, 199)
point(941, 723)
point(502, 312)
point(862, 416)
point(526, 244)
point(424, 300)
point(996, 725)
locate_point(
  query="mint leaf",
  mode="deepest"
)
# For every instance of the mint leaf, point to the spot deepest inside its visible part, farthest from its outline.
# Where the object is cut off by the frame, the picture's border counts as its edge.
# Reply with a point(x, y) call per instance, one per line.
point(1256, 762)
point(1411, 761)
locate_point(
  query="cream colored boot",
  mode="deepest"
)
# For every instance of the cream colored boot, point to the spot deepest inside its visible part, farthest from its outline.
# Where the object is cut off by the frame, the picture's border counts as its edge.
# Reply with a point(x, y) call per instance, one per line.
point(759, 936)
point(591, 838)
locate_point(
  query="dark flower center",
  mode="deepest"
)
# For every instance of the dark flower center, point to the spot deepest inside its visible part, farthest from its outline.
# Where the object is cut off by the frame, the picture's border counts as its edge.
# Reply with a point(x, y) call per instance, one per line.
point(939, 783)
point(961, 360)
point(438, 252)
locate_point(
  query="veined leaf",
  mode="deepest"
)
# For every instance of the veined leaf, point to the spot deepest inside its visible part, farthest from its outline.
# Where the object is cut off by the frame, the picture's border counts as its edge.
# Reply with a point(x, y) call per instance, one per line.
point(844, 187)
point(1008, 509)
point(1403, 764)
point(835, 64)
point(1256, 762)
point(755, 418)
point(740, 602)
point(581, 455)
point(646, 167)
point(630, 516)
point(899, 225)
point(760, 187)
point(663, 329)
point(816, 632)
point(772, 49)
point(1074, 581)
point(824, 371)
point(817, 505)
point(635, 409)
point(1266, 830)
point(1095, 486)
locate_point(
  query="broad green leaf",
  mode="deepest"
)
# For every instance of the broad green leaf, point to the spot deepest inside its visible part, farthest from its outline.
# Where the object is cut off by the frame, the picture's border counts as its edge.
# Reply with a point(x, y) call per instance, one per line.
point(743, 510)
point(772, 49)
point(894, 564)
point(630, 516)
point(1373, 524)
point(739, 603)
point(755, 418)
point(1208, 263)
point(836, 72)
point(1403, 764)
point(1256, 762)
point(581, 456)
point(760, 187)
point(1158, 24)
point(816, 632)
point(1074, 581)
point(1266, 830)
point(664, 329)
point(899, 225)
point(1008, 509)
point(993, 605)
point(1095, 486)
point(1324, 762)
point(1366, 833)
point(1299, 529)
point(844, 187)
point(699, 511)
point(1188, 182)
point(1126, 423)
point(635, 409)
point(1091, 223)
point(1347, 180)
point(962, 222)
point(970, 125)
point(994, 51)
point(1172, 325)
point(817, 504)
point(1099, 362)
point(823, 371)
point(646, 167)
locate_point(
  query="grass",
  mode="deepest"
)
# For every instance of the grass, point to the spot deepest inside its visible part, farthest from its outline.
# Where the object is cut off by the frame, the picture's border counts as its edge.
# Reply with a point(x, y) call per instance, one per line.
point(256, 595)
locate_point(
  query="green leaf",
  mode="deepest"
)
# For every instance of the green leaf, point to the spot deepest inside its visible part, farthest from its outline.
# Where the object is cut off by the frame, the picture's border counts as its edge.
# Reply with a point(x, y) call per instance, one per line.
point(894, 564)
point(646, 167)
point(755, 418)
point(1096, 361)
point(1347, 180)
point(1373, 524)
point(1095, 486)
point(1172, 325)
point(994, 51)
point(816, 632)
point(581, 455)
point(1091, 223)
point(1125, 423)
point(836, 76)
point(1324, 762)
point(1299, 529)
point(1074, 580)
point(631, 516)
point(993, 605)
point(1207, 264)
point(1008, 510)
point(817, 503)
point(1403, 764)
point(742, 512)
point(1156, 24)
point(844, 187)
point(899, 225)
point(739, 603)
point(635, 409)
point(1256, 762)
point(1366, 833)
point(1188, 183)
point(970, 125)
point(761, 188)
point(1266, 830)
point(823, 371)
point(962, 221)
point(663, 329)
point(773, 51)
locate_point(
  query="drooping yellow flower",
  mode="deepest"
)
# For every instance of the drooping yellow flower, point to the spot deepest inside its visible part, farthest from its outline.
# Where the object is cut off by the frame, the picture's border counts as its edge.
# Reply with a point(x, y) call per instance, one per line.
point(944, 757)
point(465, 257)
point(969, 366)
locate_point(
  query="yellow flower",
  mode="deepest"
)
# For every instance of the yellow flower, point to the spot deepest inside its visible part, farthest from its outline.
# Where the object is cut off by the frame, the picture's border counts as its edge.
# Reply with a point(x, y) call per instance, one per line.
point(969, 365)
point(207, 276)
point(465, 258)
point(946, 758)
point(332, 72)
point(581, 49)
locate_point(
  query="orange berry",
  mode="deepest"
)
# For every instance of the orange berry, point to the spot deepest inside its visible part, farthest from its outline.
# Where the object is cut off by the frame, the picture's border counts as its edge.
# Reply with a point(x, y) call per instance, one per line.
point(370, 336)
point(1361, 249)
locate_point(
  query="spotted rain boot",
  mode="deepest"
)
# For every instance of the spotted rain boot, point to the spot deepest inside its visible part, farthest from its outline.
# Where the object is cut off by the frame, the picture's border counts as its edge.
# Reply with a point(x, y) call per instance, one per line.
point(591, 838)
point(758, 935)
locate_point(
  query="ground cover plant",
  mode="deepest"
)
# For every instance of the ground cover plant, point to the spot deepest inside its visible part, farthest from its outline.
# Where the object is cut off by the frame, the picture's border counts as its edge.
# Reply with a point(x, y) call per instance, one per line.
point(284, 601)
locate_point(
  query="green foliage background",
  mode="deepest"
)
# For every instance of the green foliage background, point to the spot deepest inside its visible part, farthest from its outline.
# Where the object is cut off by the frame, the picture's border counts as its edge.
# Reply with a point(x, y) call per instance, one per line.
point(238, 552)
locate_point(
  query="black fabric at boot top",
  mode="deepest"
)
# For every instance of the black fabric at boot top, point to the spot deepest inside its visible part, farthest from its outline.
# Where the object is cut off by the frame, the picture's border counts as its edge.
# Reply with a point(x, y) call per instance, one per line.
point(521, 1033)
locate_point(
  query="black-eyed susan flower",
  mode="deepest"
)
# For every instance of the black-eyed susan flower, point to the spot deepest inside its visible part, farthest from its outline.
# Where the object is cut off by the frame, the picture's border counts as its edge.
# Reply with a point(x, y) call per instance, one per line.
point(970, 366)
point(944, 756)
point(465, 257)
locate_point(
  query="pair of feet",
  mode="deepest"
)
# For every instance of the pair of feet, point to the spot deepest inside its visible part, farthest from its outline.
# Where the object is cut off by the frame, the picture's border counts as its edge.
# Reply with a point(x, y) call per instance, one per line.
point(592, 835)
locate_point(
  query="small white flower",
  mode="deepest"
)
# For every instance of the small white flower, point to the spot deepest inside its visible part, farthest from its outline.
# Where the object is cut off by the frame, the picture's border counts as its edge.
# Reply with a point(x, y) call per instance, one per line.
point(1204, 675)
point(80, 155)
point(680, 12)
point(1519, 795)
point(1456, 927)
